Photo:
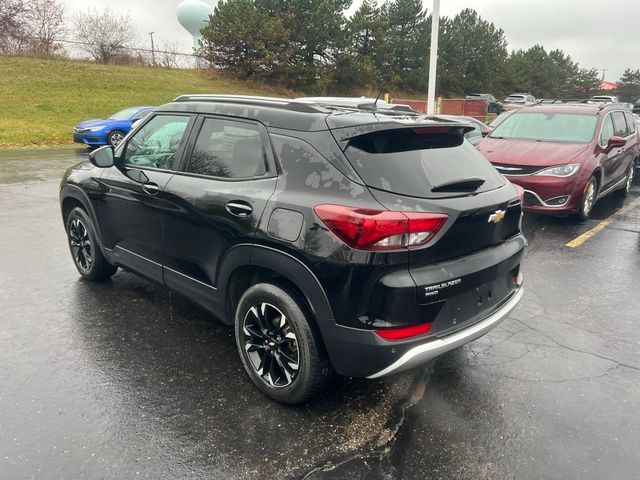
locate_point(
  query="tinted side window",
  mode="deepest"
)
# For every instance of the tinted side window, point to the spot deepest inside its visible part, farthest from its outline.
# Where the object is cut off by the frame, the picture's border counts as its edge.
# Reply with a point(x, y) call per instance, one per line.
point(228, 149)
point(155, 145)
point(631, 122)
point(607, 130)
point(619, 124)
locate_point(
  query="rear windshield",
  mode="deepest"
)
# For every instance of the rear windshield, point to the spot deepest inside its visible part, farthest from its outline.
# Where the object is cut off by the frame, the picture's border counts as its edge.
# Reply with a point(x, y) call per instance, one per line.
point(410, 163)
point(515, 98)
point(550, 127)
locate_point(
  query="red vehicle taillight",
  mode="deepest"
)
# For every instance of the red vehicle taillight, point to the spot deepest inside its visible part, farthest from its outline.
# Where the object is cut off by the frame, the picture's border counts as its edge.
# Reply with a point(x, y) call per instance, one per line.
point(402, 333)
point(367, 229)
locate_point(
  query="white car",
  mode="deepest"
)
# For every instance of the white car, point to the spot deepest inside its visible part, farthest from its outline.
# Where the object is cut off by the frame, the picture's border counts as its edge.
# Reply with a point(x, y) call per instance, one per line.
point(519, 100)
point(604, 99)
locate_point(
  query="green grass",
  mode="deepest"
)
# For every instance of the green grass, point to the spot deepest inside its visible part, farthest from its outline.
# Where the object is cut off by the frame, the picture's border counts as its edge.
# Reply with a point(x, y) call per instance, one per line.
point(41, 100)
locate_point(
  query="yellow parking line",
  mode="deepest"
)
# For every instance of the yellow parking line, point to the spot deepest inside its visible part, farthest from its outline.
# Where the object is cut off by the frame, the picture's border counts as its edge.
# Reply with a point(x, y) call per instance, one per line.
point(576, 242)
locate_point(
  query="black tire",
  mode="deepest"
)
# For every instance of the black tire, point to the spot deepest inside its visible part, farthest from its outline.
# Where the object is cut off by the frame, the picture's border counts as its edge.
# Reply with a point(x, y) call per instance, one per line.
point(269, 346)
point(115, 137)
point(84, 247)
point(588, 200)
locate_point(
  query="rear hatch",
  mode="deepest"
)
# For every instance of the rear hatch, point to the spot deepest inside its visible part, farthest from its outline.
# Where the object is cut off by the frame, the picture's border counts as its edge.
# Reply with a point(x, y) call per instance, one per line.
point(469, 265)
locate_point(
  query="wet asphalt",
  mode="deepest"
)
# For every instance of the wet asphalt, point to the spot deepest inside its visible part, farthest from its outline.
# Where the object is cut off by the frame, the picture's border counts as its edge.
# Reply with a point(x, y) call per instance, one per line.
point(124, 379)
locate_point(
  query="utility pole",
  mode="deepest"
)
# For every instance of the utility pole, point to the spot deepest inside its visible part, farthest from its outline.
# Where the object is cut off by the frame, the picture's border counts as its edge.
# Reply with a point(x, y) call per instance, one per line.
point(603, 70)
point(433, 57)
point(153, 50)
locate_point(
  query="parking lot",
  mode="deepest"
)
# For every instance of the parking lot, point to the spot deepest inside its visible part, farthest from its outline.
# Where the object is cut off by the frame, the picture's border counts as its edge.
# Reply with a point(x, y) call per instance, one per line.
point(126, 379)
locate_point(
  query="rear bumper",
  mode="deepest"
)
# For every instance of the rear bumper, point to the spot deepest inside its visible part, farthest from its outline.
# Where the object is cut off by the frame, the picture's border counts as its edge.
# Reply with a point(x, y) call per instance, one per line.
point(428, 351)
point(472, 294)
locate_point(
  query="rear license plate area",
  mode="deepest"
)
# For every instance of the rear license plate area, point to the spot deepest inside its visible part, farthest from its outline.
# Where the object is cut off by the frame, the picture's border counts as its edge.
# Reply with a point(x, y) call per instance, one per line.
point(465, 308)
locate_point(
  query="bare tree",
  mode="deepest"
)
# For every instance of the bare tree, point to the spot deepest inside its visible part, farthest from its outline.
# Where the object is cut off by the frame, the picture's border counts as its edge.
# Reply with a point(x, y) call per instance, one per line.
point(168, 56)
point(104, 35)
point(45, 26)
point(13, 17)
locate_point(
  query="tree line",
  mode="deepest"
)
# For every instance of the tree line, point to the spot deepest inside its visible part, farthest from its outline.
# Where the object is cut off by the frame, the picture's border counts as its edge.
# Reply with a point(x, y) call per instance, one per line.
point(315, 47)
point(312, 46)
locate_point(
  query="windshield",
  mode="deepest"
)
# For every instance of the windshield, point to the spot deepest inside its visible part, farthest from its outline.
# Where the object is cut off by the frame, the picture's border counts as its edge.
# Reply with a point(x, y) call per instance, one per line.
point(515, 98)
point(550, 127)
point(125, 114)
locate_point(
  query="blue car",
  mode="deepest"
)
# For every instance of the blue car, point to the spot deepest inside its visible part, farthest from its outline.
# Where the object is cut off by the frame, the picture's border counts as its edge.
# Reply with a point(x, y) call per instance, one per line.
point(109, 131)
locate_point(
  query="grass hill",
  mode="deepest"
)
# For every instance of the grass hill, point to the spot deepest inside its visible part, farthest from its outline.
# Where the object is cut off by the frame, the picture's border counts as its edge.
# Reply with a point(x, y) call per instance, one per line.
point(41, 100)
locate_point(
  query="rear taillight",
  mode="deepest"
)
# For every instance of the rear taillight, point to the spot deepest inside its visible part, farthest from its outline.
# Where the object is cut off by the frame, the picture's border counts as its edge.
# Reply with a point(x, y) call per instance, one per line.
point(402, 333)
point(367, 229)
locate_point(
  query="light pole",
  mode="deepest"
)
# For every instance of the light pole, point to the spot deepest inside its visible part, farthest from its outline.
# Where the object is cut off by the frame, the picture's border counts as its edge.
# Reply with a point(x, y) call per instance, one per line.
point(153, 50)
point(433, 57)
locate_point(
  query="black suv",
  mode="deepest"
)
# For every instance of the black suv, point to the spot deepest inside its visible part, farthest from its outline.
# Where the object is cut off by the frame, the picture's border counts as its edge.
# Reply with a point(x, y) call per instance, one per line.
point(354, 240)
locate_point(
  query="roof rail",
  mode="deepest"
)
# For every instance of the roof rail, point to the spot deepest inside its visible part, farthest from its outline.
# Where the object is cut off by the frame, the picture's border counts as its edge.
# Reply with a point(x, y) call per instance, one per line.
point(275, 102)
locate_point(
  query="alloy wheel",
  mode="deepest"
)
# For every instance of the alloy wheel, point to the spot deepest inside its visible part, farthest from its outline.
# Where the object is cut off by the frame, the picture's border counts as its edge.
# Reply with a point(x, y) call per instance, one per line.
point(271, 345)
point(80, 244)
point(630, 177)
point(589, 196)
point(115, 138)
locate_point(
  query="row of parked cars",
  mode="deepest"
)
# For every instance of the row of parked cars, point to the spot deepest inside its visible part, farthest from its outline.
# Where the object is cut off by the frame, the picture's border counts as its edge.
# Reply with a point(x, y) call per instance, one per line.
point(344, 236)
point(520, 100)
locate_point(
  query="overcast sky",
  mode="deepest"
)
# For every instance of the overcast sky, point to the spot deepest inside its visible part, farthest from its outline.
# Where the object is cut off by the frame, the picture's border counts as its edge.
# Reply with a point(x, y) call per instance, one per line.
point(596, 33)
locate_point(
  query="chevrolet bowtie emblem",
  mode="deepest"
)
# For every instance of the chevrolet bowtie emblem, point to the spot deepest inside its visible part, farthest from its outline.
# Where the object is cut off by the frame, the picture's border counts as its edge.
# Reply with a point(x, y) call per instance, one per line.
point(497, 216)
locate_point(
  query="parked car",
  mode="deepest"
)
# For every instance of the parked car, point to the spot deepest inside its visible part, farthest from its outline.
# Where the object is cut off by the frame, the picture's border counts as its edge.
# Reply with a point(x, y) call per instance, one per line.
point(519, 100)
point(636, 106)
point(493, 105)
point(566, 157)
point(333, 239)
point(474, 136)
point(604, 99)
point(109, 131)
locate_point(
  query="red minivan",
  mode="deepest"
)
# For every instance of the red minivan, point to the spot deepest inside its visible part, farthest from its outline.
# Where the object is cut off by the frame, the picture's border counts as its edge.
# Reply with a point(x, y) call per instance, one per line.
point(566, 156)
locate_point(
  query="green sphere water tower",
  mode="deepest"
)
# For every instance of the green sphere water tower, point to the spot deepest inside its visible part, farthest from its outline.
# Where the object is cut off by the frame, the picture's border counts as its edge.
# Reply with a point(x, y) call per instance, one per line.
point(193, 15)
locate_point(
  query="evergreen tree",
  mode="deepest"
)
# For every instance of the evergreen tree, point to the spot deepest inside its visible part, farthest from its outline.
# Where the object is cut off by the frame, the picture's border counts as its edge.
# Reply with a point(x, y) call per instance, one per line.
point(243, 40)
point(472, 54)
point(629, 86)
point(407, 44)
point(364, 58)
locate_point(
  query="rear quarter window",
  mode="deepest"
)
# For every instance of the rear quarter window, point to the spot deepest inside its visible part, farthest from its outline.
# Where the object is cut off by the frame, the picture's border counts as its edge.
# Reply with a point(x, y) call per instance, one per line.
point(412, 164)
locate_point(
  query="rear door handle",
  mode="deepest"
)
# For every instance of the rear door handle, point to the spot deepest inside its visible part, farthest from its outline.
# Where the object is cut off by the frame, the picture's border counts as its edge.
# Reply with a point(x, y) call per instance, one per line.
point(239, 208)
point(151, 188)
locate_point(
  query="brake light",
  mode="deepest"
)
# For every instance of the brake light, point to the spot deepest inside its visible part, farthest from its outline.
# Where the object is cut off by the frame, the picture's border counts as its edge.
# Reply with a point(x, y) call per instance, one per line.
point(367, 229)
point(432, 130)
point(402, 333)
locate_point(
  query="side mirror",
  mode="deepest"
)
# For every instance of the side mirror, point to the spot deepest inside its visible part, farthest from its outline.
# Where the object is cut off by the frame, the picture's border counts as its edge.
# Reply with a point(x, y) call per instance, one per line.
point(615, 142)
point(487, 131)
point(102, 157)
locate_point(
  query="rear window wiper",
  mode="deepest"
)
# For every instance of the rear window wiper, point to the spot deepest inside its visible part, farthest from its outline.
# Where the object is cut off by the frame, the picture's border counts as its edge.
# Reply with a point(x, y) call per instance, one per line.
point(470, 184)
